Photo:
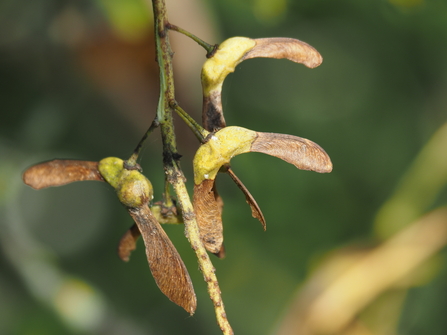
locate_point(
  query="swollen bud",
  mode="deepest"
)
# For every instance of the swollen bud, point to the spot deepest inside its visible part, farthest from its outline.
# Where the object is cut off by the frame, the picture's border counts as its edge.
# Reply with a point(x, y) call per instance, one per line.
point(218, 151)
point(132, 188)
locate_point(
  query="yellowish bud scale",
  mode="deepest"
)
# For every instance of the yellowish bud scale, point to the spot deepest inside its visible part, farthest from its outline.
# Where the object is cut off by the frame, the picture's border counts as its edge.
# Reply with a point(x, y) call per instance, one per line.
point(222, 146)
point(111, 169)
point(132, 188)
point(224, 61)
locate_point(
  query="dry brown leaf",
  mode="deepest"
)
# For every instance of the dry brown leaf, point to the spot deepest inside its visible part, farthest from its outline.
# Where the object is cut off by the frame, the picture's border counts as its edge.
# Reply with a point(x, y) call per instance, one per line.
point(208, 213)
point(282, 47)
point(60, 172)
point(301, 152)
point(165, 263)
point(255, 210)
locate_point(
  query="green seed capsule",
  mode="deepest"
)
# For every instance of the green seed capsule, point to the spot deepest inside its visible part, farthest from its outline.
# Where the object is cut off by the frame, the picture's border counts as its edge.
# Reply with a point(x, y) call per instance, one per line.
point(111, 169)
point(132, 188)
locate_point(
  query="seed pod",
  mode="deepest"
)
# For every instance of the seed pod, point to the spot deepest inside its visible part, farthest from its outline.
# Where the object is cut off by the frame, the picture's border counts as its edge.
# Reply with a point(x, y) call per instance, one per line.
point(134, 191)
point(231, 141)
point(132, 188)
point(111, 169)
point(218, 151)
point(237, 49)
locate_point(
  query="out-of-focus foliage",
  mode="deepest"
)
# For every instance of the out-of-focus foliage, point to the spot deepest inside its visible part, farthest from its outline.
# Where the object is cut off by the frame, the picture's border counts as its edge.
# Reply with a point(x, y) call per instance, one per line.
point(130, 19)
point(79, 82)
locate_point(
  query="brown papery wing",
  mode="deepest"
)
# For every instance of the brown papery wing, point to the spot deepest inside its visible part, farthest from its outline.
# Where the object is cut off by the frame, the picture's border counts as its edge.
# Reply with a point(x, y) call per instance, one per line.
point(301, 152)
point(208, 209)
point(219, 201)
point(255, 210)
point(128, 242)
point(60, 172)
point(165, 263)
point(282, 47)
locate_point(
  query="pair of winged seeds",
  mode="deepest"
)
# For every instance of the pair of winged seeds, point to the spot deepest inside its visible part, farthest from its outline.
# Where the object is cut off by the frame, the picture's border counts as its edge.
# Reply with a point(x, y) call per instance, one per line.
point(134, 190)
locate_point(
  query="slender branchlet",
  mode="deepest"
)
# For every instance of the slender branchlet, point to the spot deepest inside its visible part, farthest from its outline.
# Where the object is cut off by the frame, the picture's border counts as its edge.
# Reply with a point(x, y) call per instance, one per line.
point(170, 156)
point(210, 49)
point(132, 161)
point(197, 129)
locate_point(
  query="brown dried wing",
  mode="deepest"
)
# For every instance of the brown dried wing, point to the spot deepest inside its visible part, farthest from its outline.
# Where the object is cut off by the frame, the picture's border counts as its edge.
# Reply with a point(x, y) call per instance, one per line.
point(219, 201)
point(208, 209)
point(282, 47)
point(301, 152)
point(60, 172)
point(255, 210)
point(165, 263)
point(222, 252)
point(128, 242)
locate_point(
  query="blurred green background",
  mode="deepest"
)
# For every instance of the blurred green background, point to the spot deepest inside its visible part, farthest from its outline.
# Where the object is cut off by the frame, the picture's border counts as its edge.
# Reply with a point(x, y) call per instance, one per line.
point(78, 80)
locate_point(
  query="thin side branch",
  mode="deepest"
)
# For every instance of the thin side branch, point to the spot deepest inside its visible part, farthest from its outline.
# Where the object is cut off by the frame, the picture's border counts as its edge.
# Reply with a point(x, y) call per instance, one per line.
point(197, 129)
point(210, 49)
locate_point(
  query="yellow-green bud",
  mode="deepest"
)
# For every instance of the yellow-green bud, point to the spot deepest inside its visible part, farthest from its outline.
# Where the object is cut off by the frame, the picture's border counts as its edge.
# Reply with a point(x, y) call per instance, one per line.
point(111, 169)
point(224, 61)
point(132, 188)
point(221, 147)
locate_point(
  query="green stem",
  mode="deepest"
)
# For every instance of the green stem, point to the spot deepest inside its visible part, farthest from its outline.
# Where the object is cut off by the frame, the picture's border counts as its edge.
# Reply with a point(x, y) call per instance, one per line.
point(132, 161)
point(171, 164)
point(197, 129)
point(210, 49)
point(167, 199)
point(167, 92)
